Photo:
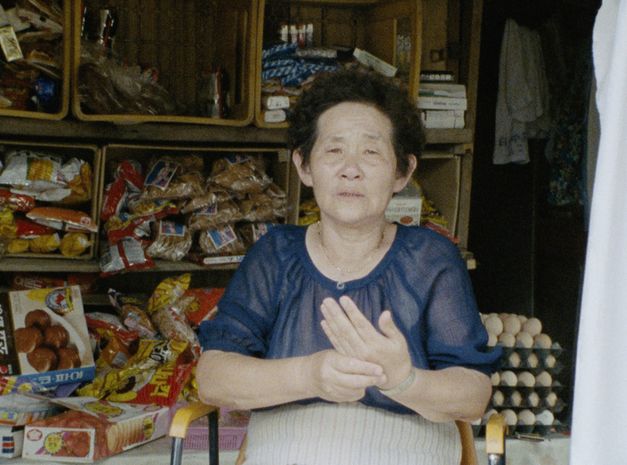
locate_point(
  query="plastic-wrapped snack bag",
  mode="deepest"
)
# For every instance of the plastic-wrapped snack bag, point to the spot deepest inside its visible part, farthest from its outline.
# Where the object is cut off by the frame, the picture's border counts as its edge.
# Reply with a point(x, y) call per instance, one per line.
point(126, 255)
point(130, 310)
point(242, 176)
point(214, 215)
point(172, 241)
point(221, 241)
point(168, 292)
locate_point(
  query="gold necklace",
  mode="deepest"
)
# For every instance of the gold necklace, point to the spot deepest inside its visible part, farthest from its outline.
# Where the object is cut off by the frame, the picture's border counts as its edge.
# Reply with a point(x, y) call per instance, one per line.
point(346, 271)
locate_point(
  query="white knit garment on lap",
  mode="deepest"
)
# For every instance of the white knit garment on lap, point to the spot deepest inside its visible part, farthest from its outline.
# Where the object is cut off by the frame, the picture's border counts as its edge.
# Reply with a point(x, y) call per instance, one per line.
point(348, 434)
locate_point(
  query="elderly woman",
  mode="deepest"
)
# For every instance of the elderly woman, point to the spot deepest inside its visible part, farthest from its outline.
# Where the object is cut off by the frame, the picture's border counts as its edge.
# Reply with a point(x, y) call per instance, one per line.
point(356, 341)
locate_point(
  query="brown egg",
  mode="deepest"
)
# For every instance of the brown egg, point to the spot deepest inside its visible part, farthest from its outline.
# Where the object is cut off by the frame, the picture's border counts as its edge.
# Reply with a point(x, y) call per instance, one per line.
point(56, 336)
point(43, 359)
point(68, 358)
point(27, 339)
point(37, 318)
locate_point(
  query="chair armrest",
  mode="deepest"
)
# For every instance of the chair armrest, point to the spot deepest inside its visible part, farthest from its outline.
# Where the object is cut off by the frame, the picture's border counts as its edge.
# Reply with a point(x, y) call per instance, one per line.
point(495, 432)
point(186, 415)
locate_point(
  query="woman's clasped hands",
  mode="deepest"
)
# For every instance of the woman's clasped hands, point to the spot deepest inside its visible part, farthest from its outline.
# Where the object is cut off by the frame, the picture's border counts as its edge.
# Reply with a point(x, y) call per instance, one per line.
point(354, 337)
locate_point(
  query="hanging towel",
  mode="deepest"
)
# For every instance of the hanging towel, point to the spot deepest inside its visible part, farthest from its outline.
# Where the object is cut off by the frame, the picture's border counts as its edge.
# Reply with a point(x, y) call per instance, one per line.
point(522, 100)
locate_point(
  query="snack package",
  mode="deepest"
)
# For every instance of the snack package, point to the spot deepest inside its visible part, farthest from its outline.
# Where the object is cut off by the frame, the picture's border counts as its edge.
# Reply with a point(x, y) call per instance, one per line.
point(47, 343)
point(172, 324)
point(137, 226)
point(37, 172)
point(183, 186)
point(155, 374)
point(93, 429)
point(74, 244)
point(130, 309)
point(168, 292)
point(63, 219)
point(200, 304)
point(114, 199)
point(47, 243)
point(19, 409)
point(252, 232)
point(172, 241)
point(79, 178)
point(126, 255)
point(214, 215)
point(241, 174)
point(16, 202)
point(221, 241)
point(257, 207)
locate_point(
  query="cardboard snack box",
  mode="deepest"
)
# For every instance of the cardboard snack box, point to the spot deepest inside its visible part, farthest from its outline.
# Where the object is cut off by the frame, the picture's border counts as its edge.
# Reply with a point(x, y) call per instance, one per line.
point(11, 438)
point(93, 429)
point(43, 340)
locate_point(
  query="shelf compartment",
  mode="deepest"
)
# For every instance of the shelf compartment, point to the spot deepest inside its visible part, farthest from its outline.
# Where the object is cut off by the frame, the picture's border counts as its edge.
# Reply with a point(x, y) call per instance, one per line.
point(278, 168)
point(89, 153)
point(182, 41)
point(63, 80)
point(388, 29)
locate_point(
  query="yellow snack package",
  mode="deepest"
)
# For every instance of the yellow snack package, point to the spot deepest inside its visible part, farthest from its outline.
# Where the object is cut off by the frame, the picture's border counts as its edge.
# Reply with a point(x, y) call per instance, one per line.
point(74, 244)
point(18, 246)
point(45, 244)
point(168, 291)
point(6, 216)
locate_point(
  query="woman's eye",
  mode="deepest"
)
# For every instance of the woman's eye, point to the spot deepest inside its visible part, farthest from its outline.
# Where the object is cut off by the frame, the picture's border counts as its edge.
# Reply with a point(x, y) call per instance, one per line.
point(334, 150)
point(372, 152)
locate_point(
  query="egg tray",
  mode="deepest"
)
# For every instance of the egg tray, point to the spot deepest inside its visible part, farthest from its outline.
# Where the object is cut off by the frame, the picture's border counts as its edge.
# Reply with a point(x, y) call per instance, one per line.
point(554, 370)
point(524, 352)
point(542, 391)
point(524, 405)
point(514, 430)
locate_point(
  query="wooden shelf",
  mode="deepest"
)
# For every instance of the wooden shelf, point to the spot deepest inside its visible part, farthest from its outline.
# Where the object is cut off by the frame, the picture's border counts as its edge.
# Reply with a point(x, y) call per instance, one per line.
point(175, 133)
point(58, 265)
point(146, 132)
point(448, 136)
point(63, 265)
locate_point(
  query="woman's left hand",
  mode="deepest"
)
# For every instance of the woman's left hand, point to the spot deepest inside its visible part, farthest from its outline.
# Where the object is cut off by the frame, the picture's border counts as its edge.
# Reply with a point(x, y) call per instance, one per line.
point(352, 334)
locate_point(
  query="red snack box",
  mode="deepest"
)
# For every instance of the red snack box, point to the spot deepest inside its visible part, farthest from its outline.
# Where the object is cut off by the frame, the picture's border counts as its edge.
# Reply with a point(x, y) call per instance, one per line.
point(93, 429)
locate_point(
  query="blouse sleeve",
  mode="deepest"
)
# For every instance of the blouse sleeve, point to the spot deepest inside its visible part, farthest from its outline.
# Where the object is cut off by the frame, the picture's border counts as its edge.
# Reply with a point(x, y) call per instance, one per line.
point(246, 311)
point(455, 333)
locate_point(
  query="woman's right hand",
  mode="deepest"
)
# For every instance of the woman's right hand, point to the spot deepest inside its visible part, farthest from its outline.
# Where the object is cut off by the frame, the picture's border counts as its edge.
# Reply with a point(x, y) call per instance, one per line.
point(340, 378)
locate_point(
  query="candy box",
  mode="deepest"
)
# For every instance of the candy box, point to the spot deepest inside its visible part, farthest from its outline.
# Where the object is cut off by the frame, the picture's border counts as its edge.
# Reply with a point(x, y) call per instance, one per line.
point(93, 429)
point(11, 439)
point(43, 340)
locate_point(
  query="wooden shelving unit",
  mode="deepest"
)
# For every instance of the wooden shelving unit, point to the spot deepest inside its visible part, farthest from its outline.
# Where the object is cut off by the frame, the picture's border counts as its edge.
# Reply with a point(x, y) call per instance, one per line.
point(456, 29)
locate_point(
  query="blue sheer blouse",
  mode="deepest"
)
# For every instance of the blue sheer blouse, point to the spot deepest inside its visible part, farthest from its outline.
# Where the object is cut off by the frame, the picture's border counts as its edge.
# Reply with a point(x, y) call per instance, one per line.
point(271, 308)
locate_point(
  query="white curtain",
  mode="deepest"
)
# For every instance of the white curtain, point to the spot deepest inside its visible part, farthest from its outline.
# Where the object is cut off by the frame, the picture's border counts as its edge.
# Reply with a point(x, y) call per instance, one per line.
point(600, 405)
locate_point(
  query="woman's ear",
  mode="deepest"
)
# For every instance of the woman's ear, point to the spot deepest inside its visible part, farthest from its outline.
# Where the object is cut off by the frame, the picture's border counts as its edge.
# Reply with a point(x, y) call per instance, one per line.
point(303, 169)
point(402, 180)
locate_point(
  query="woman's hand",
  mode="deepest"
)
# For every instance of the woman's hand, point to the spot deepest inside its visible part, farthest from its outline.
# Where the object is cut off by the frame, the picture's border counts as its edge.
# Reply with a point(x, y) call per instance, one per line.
point(340, 378)
point(353, 335)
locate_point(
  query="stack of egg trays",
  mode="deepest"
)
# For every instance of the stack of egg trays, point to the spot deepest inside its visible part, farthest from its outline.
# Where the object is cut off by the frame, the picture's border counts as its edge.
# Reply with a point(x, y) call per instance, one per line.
point(549, 400)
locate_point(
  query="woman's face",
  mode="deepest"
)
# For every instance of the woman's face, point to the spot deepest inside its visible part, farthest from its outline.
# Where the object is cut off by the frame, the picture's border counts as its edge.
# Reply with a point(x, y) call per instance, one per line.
point(352, 167)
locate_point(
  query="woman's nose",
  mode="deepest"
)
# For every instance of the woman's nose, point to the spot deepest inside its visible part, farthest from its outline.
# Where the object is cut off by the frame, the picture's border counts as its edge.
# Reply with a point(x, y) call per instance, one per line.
point(351, 169)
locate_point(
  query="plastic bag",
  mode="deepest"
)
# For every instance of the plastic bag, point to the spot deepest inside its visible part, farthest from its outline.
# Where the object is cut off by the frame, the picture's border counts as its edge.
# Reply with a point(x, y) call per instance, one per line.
point(173, 241)
point(126, 255)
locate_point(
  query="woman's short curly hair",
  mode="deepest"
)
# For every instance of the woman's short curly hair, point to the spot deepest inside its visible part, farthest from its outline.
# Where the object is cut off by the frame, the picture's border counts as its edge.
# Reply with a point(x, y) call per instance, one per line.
point(364, 87)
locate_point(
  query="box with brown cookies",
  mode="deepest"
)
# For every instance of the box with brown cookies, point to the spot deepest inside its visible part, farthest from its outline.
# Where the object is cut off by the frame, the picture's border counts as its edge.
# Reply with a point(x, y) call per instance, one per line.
point(43, 340)
point(93, 429)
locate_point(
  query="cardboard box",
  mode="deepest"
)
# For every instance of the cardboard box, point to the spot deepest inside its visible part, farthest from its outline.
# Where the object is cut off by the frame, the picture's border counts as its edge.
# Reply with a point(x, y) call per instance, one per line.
point(231, 431)
point(12, 439)
point(405, 207)
point(43, 339)
point(99, 429)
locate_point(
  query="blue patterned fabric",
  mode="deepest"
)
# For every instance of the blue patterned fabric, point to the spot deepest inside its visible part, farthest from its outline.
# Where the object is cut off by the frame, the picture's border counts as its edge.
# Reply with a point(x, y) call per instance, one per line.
point(271, 308)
